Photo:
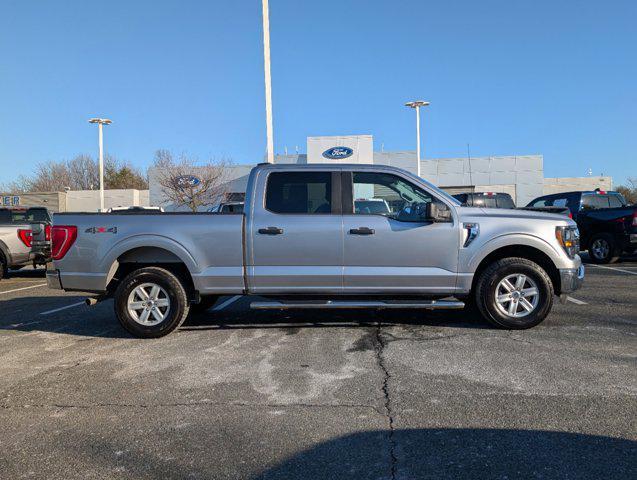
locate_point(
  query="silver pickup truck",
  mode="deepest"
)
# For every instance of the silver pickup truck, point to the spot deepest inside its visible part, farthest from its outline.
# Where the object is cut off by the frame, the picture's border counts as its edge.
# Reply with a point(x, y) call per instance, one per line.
point(307, 240)
point(16, 237)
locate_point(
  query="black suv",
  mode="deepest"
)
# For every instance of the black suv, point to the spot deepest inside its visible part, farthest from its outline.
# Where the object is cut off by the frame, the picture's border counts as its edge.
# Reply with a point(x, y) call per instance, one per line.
point(607, 225)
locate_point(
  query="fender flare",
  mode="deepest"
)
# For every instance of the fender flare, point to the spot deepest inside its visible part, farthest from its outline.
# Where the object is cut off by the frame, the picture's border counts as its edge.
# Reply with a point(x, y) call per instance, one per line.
point(511, 240)
point(110, 263)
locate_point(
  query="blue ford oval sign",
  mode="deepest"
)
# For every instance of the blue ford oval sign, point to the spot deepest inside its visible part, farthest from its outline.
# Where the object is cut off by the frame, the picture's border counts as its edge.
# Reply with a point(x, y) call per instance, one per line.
point(187, 181)
point(336, 153)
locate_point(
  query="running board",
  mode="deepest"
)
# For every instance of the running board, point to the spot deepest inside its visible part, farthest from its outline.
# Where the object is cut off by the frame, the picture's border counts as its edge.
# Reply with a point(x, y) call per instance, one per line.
point(333, 304)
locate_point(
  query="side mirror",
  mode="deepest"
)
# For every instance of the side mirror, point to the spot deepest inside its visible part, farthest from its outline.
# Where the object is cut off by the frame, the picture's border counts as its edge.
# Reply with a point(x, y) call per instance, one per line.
point(437, 212)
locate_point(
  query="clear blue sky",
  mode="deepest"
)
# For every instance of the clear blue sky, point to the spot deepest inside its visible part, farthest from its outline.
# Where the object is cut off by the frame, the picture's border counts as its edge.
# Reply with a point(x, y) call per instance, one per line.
point(509, 77)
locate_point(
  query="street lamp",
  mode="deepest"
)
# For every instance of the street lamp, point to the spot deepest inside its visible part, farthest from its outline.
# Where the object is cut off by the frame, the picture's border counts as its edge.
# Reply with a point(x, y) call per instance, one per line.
point(100, 122)
point(268, 81)
point(416, 105)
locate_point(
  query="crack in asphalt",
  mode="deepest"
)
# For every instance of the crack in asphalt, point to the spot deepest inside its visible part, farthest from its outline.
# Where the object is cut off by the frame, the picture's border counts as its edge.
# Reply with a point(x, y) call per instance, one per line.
point(380, 346)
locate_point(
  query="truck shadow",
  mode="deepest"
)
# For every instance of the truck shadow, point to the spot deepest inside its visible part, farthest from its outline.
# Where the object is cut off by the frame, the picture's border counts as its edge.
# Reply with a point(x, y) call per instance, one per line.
point(294, 320)
point(27, 272)
point(30, 314)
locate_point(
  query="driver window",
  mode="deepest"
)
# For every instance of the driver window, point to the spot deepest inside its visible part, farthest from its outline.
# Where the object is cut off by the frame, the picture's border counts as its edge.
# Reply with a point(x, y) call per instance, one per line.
point(385, 194)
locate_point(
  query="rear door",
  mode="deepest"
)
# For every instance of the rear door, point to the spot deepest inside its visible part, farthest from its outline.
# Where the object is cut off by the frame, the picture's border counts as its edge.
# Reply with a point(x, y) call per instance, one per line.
point(395, 251)
point(296, 233)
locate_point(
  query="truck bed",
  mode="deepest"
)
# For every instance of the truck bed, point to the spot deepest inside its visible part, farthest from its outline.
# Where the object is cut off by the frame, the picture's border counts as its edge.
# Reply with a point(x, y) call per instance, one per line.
point(104, 240)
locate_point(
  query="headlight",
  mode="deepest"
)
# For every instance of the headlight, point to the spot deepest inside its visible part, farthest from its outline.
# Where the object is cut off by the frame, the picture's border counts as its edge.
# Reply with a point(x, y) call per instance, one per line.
point(568, 237)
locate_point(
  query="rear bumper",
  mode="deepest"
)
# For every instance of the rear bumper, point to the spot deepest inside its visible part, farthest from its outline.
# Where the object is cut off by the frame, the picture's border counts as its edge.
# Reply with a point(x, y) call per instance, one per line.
point(571, 279)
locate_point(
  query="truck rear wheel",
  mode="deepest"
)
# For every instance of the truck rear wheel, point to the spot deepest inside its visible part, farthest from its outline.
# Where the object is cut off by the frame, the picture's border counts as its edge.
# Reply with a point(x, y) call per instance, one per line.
point(603, 249)
point(514, 293)
point(151, 302)
point(3, 267)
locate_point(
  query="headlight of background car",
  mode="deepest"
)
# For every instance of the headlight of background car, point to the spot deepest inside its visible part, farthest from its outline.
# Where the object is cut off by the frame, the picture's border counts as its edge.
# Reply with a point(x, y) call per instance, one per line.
point(568, 237)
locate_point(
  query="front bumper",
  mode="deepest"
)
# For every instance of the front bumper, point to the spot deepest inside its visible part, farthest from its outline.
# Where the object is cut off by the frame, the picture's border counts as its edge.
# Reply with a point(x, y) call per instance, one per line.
point(571, 279)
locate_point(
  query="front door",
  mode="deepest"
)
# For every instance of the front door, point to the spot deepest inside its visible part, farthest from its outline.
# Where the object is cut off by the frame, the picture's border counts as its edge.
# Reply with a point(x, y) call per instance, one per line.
point(387, 245)
point(297, 234)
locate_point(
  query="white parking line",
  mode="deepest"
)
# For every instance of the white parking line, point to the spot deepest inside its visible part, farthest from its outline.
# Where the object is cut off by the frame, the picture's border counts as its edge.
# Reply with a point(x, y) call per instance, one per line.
point(226, 303)
point(24, 288)
point(576, 301)
point(48, 312)
point(616, 269)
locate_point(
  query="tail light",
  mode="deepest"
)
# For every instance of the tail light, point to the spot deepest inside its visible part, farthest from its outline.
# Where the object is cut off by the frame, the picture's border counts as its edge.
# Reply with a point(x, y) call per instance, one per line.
point(62, 238)
point(570, 215)
point(47, 233)
point(26, 236)
point(635, 218)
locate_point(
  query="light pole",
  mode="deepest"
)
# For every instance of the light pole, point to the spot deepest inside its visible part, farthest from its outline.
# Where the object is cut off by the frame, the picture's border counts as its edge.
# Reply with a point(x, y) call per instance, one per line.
point(100, 122)
point(416, 104)
point(268, 81)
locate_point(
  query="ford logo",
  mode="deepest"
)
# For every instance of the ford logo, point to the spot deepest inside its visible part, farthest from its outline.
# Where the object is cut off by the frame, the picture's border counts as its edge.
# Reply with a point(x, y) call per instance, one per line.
point(187, 181)
point(336, 153)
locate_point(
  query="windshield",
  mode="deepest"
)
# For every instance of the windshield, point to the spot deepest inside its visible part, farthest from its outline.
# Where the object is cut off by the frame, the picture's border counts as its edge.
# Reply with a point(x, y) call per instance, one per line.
point(438, 192)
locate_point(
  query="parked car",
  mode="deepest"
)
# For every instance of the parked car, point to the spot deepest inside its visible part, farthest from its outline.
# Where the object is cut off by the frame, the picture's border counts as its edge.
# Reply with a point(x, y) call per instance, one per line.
point(134, 209)
point(300, 244)
point(500, 200)
point(228, 207)
point(372, 205)
point(16, 237)
point(607, 224)
point(485, 199)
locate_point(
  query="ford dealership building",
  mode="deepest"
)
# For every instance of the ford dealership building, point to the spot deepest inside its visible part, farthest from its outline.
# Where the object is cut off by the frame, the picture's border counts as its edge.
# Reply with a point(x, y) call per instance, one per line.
point(522, 176)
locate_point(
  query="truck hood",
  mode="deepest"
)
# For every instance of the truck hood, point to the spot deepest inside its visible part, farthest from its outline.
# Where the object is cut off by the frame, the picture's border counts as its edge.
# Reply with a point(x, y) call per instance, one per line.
point(505, 213)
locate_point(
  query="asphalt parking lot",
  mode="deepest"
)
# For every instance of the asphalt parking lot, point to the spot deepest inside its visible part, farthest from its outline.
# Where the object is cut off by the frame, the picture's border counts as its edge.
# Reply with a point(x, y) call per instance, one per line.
point(239, 394)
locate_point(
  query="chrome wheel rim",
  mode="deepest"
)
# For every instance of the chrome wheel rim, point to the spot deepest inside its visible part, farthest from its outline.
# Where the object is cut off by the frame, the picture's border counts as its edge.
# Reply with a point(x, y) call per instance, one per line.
point(517, 295)
point(148, 304)
point(600, 248)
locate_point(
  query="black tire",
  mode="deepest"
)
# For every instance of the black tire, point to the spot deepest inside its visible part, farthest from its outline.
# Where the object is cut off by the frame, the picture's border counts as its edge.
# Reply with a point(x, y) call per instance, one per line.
point(603, 249)
point(205, 303)
point(489, 282)
point(3, 267)
point(173, 291)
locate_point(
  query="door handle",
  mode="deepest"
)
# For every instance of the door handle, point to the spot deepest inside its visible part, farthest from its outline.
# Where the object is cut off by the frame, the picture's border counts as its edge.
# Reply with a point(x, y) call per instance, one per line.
point(271, 231)
point(362, 231)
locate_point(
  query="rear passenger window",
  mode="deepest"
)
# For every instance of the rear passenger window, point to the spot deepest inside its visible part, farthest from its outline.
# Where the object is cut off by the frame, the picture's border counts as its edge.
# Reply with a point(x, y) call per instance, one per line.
point(615, 201)
point(543, 202)
point(504, 201)
point(299, 192)
point(594, 202)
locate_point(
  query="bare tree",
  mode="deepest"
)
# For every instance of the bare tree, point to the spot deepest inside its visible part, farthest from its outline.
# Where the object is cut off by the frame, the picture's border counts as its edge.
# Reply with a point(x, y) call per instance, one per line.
point(629, 191)
point(79, 173)
point(186, 183)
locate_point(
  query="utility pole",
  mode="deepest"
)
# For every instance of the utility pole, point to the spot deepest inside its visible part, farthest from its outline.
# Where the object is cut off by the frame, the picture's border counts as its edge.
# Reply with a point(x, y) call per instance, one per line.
point(268, 81)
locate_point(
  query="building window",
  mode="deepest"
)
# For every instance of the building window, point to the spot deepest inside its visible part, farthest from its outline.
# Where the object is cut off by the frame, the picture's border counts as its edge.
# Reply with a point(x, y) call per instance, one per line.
point(299, 192)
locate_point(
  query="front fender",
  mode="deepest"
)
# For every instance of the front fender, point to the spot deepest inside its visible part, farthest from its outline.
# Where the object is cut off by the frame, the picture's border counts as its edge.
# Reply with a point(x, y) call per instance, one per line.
point(509, 240)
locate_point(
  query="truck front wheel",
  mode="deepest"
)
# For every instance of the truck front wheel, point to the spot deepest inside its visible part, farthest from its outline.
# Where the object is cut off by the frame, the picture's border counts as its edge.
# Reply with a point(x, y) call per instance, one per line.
point(151, 302)
point(514, 293)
